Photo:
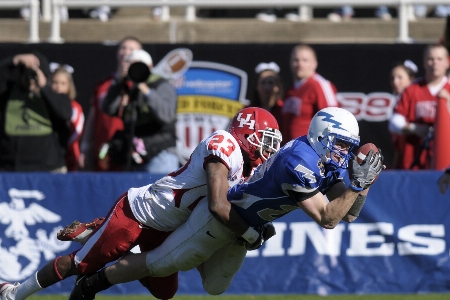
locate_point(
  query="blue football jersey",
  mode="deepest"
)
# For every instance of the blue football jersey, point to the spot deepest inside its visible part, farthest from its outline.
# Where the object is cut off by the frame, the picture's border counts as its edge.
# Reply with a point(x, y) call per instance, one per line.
point(295, 167)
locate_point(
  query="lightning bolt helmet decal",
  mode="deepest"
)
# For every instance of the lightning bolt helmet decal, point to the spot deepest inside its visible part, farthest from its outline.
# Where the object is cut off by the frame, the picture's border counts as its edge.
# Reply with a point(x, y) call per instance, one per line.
point(327, 127)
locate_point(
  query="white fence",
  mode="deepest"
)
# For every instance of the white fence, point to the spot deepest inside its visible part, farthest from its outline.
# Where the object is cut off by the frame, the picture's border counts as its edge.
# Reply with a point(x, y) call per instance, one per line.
point(34, 15)
point(303, 6)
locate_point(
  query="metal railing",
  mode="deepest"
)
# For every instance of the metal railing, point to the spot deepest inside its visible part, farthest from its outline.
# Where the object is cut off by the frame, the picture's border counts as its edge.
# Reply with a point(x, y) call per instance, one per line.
point(34, 15)
point(304, 6)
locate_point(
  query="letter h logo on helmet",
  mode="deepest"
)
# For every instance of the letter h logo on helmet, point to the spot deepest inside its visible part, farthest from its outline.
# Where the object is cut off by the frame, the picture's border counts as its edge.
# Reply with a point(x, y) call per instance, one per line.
point(246, 121)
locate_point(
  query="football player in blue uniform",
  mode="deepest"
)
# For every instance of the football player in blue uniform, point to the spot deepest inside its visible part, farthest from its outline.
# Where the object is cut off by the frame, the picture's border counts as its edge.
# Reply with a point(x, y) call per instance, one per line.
point(306, 169)
point(307, 173)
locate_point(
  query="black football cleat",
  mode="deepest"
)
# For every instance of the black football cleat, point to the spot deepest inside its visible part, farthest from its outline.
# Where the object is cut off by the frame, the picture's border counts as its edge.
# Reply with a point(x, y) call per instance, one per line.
point(81, 291)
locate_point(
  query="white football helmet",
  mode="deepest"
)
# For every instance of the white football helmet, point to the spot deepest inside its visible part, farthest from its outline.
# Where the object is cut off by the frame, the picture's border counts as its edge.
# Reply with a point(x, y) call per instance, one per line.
point(329, 125)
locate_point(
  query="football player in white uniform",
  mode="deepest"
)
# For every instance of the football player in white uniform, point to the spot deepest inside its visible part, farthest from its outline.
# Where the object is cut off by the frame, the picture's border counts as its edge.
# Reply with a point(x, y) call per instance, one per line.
point(145, 216)
point(299, 175)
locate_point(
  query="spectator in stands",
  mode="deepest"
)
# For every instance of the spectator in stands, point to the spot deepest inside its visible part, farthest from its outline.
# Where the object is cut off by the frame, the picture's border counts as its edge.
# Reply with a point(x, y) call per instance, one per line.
point(62, 83)
point(415, 112)
point(103, 13)
point(101, 127)
point(402, 75)
point(442, 11)
point(343, 13)
point(267, 15)
point(381, 12)
point(25, 13)
point(444, 181)
point(269, 91)
point(420, 11)
point(309, 94)
point(34, 130)
point(148, 108)
point(270, 15)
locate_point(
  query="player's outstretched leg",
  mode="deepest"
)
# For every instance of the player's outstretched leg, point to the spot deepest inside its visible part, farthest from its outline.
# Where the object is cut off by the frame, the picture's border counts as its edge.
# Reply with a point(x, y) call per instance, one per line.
point(87, 286)
point(79, 232)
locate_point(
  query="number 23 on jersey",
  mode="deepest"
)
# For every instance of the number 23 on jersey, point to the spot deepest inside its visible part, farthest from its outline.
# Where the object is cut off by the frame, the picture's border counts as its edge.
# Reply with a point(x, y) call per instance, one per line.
point(225, 147)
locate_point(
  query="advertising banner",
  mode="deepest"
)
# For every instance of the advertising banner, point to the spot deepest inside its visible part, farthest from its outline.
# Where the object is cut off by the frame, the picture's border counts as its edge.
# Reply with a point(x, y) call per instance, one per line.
point(399, 244)
point(209, 95)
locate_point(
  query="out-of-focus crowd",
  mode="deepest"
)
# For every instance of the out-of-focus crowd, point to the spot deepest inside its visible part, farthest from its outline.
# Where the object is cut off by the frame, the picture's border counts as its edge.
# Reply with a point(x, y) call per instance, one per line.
point(271, 14)
point(131, 125)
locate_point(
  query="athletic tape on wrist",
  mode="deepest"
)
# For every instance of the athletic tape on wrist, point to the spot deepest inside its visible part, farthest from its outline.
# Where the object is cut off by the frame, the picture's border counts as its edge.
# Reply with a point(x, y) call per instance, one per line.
point(251, 235)
point(357, 205)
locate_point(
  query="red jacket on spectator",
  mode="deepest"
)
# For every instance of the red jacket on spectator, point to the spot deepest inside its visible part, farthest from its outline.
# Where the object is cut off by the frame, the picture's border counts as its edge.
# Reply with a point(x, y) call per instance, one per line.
point(418, 105)
point(302, 102)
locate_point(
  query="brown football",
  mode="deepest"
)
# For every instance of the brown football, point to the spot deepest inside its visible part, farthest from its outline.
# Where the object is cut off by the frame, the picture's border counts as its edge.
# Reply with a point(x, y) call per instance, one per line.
point(362, 152)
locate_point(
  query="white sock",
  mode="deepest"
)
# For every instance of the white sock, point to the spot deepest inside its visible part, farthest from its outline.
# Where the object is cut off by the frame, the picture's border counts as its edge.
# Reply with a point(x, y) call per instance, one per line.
point(28, 288)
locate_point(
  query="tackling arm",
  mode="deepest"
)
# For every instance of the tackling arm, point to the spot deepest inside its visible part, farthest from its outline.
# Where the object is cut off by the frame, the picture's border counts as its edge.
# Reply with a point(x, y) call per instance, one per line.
point(222, 210)
point(219, 206)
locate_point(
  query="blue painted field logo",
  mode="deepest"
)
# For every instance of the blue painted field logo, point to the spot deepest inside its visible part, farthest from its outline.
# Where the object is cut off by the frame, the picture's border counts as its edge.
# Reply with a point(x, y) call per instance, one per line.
point(22, 257)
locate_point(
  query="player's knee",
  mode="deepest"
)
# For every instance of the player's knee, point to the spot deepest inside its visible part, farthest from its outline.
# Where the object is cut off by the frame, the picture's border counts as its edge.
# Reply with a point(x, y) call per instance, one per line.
point(216, 286)
point(64, 266)
point(214, 290)
point(189, 258)
point(161, 287)
point(163, 294)
point(182, 260)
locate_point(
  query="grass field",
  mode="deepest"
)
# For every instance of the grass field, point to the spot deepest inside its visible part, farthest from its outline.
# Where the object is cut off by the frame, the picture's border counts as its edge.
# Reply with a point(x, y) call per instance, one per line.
point(265, 297)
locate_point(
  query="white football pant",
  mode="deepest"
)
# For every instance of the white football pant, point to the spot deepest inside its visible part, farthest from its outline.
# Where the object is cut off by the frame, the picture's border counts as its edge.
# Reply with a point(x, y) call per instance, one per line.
point(204, 243)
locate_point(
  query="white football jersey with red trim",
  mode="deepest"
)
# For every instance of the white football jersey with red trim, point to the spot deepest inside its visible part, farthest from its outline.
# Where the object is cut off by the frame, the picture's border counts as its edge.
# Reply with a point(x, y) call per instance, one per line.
point(167, 203)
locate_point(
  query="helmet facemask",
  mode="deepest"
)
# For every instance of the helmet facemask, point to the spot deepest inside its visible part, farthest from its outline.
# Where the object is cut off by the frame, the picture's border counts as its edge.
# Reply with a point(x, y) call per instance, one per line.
point(329, 143)
point(268, 144)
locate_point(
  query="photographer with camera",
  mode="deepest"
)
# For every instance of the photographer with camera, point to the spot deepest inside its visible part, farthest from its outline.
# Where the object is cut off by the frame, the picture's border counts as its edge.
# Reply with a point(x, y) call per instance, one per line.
point(33, 118)
point(147, 104)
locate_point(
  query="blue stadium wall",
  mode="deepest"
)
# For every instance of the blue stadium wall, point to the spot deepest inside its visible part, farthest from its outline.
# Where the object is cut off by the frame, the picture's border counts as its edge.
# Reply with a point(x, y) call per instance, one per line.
point(399, 244)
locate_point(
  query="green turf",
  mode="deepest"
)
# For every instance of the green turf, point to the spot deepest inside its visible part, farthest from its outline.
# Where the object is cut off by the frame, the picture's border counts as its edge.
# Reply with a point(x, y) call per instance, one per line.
point(264, 297)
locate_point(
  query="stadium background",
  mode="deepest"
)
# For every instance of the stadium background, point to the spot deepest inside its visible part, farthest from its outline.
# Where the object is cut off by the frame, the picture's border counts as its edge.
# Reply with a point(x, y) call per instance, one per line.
point(353, 68)
point(400, 201)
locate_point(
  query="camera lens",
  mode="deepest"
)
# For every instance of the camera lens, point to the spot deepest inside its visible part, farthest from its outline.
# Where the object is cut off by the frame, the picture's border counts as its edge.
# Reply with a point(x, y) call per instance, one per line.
point(138, 72)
